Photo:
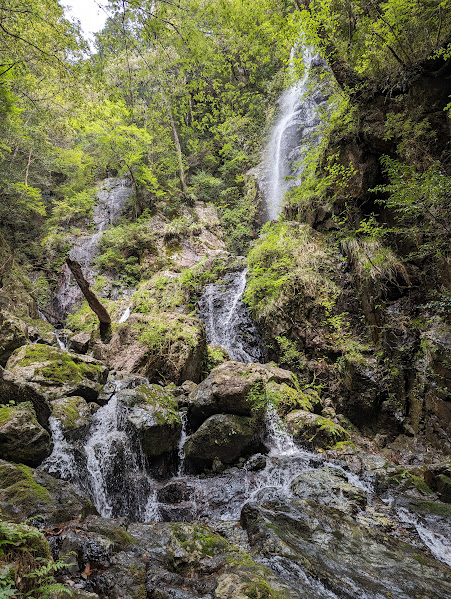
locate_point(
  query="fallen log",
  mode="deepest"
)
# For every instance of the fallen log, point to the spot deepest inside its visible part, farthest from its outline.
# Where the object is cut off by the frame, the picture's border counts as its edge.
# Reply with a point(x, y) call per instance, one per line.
point(91, 298)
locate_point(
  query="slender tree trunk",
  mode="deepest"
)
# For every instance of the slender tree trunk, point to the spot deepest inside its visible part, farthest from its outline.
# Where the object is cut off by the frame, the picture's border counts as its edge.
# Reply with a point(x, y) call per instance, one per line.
point(90, 296)
point(178, 147)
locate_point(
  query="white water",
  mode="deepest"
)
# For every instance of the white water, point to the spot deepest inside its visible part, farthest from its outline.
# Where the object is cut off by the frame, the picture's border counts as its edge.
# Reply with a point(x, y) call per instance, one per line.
point(125, 316)
point(181, 446)
point(227, 320)
point(438, 541)
point(111, 199)
point(294, 133)
point(61, 462)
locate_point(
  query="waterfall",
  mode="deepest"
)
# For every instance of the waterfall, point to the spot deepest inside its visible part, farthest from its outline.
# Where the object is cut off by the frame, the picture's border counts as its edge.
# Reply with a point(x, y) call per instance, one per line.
point(227, 320)
point(295, 131)
point(111, 200)
point(110, 465)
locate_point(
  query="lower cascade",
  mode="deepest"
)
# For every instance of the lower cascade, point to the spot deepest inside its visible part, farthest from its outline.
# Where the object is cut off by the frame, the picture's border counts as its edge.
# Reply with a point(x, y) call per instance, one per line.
point(227, 320)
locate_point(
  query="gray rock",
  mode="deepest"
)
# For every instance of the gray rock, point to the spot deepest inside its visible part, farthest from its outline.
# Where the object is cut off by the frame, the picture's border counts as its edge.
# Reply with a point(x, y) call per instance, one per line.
point(80, 343)
point(153, 413)
point(13, 334)
point(22, 438)
point(74, 414)
point(225, 437)
point(227, 388)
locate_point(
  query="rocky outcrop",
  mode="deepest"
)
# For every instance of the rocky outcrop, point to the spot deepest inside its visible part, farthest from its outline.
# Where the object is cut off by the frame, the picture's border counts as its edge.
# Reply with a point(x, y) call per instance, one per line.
point(163, 347)
point(223, 437)
point(227, 390)
point(163, 560)
point(79, 343)
point(313, 430)
point(74, 415)
point(13, 334)
point(27, 493)
point(15, 390)
point(334, 553)
point(56, 373)
point(153, 413)
point(22, 438)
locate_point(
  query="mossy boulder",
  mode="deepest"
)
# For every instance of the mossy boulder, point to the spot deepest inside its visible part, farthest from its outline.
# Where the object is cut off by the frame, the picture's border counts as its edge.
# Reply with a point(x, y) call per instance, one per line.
point(164, 347)
point(58, 372)
point(22, 438)
point(15, 390)
point(13, 334)
point(313, 430)
point(74, 414)
point(223, 437)
point(27, 493)
point(153, 413)
point(234, 388)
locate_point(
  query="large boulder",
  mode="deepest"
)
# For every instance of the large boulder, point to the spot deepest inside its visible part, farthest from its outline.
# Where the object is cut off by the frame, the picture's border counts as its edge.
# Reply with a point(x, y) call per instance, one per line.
point(341, 557)
point(223, 437)
point(153, 413)
point(234, 388)
point(313, 430)
point(13, 334)
point(58, 373)
point(329, 486)
point(27, 493)
point(22, 438)
point(164, 347)
point(15, 390)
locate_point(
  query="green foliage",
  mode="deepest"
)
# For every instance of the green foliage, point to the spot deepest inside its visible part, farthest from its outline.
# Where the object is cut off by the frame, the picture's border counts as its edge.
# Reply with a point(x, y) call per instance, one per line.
point(379, 37)
point(289, 266)
point(29, 569)
point(411, 193)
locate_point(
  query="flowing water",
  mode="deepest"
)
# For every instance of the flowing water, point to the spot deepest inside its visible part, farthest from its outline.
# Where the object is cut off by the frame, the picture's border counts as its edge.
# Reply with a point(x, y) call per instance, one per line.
point(111, 200)
point(227, 320)
point(108, 462)
point(296, 130)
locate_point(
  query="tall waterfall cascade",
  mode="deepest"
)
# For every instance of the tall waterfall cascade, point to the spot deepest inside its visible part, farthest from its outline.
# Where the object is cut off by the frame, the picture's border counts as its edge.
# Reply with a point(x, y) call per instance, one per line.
point(295, 131)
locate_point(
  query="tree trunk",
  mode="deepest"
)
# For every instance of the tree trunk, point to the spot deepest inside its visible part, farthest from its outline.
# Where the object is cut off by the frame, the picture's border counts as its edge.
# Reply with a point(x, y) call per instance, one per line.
point(90, 296)
point(178, 147)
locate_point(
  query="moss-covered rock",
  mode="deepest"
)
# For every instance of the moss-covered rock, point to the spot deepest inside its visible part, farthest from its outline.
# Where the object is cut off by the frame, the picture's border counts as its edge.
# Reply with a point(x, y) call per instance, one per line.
point(153, 413)
point(27, 493)
point(13, 334)
point(234, 388)
point(314, 430)
point(163, 347)
point(59, 372)
point(22, 438)
point(74, 415)
point(223, 437)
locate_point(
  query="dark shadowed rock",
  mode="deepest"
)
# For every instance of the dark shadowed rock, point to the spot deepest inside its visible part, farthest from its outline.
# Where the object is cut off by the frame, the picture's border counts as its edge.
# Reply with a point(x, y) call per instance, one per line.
point(224, 437)
point(27, 493)
point(22, 438)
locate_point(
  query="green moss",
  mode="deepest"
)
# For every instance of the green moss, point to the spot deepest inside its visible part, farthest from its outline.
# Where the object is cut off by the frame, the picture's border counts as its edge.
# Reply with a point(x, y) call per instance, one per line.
point(19, 487)
point(60, 367)
point(432, 507)
point(160, 398)
point(6, 413)
point(199, 540)
point(260, 589)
